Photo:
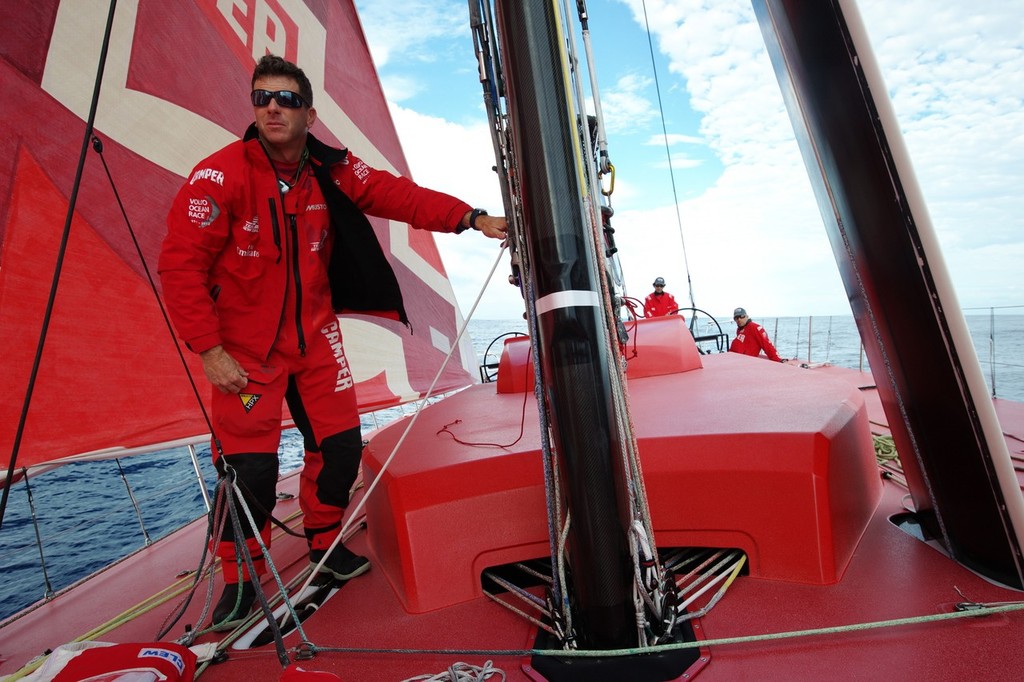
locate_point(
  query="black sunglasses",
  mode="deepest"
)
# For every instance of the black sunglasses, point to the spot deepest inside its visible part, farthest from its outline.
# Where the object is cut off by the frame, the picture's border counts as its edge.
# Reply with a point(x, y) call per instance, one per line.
point(284, 98)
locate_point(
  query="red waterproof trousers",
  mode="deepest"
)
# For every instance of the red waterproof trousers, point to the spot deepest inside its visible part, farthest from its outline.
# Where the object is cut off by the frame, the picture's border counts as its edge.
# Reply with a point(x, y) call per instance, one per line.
point(248, 425)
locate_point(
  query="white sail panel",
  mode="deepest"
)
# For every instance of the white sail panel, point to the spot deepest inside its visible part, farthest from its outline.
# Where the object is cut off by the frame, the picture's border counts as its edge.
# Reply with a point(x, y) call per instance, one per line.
point(174, 89)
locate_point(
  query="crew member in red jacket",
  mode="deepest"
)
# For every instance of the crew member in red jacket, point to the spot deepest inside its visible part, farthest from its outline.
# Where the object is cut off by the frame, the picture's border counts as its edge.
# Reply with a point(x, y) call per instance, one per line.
point(751, 338)
point(265, 242)
point(659, 302)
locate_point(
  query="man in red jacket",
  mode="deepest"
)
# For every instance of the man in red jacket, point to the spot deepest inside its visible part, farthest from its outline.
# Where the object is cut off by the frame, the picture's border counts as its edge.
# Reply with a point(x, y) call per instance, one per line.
point(659, 302)
point(751, 338)
point(265, 242)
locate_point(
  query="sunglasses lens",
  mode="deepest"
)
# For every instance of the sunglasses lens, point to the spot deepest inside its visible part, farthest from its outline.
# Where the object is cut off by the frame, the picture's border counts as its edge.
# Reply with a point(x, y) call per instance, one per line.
point(284, 98)
point(287, 98)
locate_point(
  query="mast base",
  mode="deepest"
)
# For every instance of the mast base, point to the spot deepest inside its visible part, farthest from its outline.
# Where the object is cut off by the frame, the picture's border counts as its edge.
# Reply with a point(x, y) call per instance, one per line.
point(664, 666)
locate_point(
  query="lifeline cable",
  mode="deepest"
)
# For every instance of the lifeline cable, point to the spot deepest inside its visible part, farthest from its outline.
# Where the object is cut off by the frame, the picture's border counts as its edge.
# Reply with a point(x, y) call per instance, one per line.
point(980, 610)
point(408, 427)
point(72, 202)
point(97, 145)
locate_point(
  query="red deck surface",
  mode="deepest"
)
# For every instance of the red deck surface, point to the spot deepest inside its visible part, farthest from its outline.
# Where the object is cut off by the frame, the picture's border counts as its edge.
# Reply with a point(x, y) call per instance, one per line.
point(713, 466)
point(889, 574)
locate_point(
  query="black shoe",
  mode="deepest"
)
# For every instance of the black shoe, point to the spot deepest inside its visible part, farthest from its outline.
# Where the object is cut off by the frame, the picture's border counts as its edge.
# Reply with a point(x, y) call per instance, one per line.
point(342, 563)
point(233, 608)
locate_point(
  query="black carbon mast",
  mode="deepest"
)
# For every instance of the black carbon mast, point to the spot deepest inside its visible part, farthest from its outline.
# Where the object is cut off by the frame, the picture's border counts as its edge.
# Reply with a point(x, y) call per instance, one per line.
point(599, 522)
point(570, 329)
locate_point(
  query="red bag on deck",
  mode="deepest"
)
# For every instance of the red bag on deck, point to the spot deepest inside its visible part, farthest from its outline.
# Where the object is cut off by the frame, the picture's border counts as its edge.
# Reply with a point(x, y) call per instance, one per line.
point(138, 662)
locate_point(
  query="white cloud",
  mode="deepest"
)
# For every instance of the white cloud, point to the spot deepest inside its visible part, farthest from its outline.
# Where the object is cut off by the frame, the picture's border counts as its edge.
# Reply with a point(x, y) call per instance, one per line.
point(410, 29)
point(672, 139)
point(680, 162)
point(625, 106)
point(458, 160)
point(400, 88)
point(754, 237)
point(956, 75)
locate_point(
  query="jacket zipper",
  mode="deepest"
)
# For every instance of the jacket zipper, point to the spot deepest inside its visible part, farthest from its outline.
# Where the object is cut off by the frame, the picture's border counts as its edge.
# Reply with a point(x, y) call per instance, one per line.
point(298, 286)
point(276, 227)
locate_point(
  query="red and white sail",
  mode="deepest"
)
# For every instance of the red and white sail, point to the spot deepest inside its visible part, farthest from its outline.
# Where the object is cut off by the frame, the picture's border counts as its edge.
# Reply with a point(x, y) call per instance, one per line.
point(174, 89)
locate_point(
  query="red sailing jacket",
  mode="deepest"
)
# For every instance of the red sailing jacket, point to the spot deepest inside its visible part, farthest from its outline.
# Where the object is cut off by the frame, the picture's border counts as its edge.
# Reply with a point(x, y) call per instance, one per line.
point(751, 339)
point(235, 243)
point(657, 306)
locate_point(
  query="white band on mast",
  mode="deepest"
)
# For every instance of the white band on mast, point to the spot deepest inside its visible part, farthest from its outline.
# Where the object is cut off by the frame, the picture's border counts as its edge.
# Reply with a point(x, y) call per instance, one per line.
point(568, 299)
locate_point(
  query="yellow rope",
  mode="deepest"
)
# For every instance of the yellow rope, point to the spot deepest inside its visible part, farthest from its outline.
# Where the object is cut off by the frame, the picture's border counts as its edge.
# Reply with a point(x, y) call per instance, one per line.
point(885, 451)
point(173, 590)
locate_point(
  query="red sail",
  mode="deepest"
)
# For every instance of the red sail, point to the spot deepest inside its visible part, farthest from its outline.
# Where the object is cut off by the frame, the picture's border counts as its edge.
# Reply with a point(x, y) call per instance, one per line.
point(174, 90)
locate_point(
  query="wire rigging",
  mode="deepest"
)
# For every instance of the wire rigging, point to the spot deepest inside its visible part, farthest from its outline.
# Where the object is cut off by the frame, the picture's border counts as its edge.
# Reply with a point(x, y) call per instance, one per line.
point(97, 145)
point(61, 251)
point(668, 154)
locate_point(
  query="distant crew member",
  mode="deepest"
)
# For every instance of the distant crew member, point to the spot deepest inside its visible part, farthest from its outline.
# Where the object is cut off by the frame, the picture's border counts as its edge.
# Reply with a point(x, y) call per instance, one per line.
point(751, 338)
point(659, 302)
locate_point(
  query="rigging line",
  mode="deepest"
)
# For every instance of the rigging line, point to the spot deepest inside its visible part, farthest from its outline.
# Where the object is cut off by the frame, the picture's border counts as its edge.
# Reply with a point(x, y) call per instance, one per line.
point(521, 613)
point(408, 427)
point(135, 503)
point(552, 485)
point(214, 521)
point(604, 164)
point(717, 597)
point(206, 572)
point(48, 594)
point(97, 145)
point(243, 552)
point(624, 422)
point(72, 202)
point(986, 610)
point(145, 606)
point(599, 261)
point(668, 153)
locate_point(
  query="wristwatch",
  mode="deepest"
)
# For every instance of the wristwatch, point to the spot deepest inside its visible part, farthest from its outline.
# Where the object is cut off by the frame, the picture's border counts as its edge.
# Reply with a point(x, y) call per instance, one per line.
point(473, 215)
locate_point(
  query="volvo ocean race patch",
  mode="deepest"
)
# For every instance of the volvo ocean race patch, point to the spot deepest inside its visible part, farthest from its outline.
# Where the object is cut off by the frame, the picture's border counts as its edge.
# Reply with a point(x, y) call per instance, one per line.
point(202, 211)
point(249, 400)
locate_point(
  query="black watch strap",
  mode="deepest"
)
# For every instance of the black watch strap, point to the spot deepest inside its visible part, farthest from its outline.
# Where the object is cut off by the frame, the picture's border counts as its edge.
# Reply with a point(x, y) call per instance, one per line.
point(473, 215)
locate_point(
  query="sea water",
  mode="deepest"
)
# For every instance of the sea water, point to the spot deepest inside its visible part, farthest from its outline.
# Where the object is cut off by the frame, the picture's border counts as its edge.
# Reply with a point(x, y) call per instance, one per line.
point(86, 518)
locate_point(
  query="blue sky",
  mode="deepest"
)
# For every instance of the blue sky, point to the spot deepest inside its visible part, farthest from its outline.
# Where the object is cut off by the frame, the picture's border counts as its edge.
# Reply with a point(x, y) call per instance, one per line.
point(752, 233)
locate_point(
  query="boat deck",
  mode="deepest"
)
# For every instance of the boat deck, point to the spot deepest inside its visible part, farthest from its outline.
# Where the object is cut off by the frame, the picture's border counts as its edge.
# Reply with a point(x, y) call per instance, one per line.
point(366, 633)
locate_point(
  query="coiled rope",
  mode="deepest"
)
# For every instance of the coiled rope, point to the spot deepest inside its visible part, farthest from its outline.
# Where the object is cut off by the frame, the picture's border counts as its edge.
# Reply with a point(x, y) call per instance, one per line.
point(462, 672)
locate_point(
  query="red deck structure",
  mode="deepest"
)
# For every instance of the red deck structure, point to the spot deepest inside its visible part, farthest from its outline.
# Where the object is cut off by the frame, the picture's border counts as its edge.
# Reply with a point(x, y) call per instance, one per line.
point(773, 459)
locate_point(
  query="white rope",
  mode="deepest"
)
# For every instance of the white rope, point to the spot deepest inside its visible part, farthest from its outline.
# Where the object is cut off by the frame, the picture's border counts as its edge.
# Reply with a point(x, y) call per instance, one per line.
point(462, 672)
point(408, 427)
point(734, 571)
point(711, 583)
point(563, 538)
point(523, 614)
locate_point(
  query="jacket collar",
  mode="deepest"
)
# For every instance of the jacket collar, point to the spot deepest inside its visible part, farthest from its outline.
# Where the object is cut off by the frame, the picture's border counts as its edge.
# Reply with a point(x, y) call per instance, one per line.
point(320, 151)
